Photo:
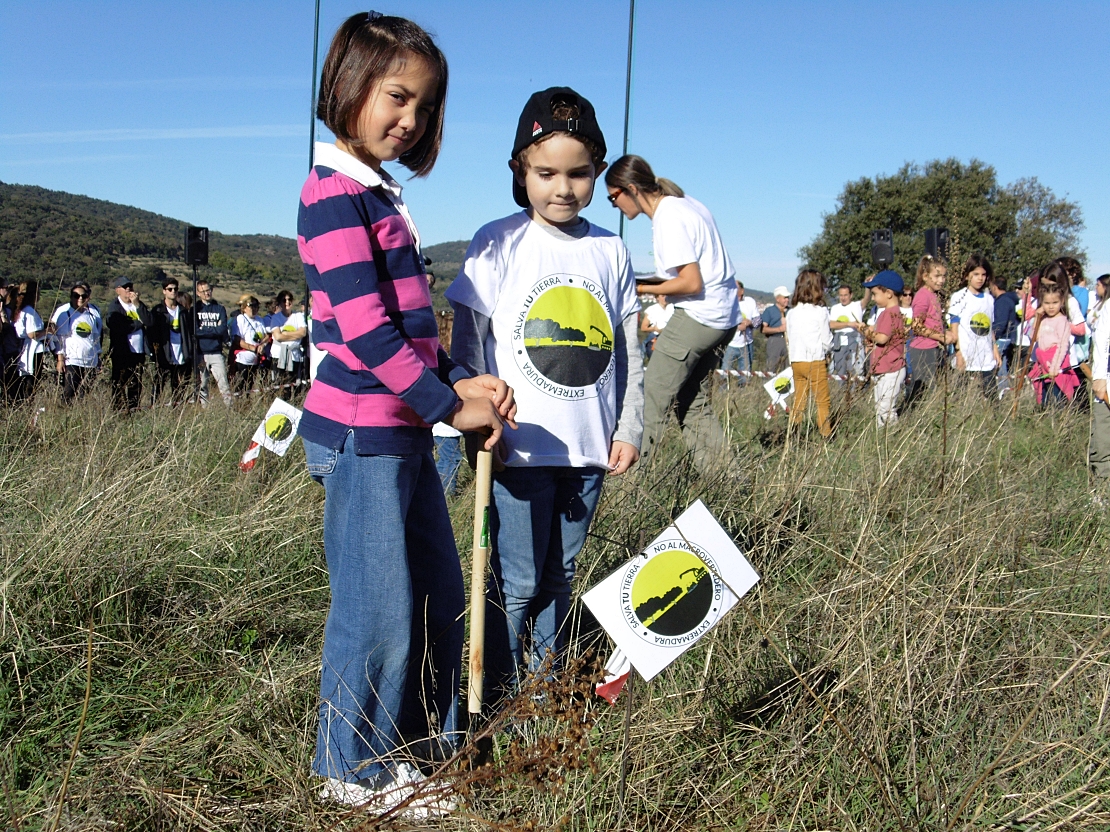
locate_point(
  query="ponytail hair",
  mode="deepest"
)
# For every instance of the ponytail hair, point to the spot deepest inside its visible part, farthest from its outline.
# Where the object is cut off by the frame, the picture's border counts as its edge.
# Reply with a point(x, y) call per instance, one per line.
point(632, 170)
point(925, 267)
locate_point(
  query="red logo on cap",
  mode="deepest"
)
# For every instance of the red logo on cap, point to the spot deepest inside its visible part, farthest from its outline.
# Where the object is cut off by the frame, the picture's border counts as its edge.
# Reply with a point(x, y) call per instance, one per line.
point(536, 129)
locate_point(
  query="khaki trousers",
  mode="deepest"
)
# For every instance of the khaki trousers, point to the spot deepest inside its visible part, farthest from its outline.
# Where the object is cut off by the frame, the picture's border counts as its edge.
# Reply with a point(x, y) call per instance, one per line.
point(678, 378)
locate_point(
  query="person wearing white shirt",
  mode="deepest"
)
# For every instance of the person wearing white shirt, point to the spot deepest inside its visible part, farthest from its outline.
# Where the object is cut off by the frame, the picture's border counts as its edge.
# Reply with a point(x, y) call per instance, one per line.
point(29, 328)
point(738, 353)
point(287, 329)
point(1098, 452)
point(700, 282)
point(845, 321)
point(78, 331)
point(655, 321)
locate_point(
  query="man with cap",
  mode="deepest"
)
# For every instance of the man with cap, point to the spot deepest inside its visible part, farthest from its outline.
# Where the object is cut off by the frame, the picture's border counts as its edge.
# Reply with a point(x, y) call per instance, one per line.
point(773, 328)
point(129, 324)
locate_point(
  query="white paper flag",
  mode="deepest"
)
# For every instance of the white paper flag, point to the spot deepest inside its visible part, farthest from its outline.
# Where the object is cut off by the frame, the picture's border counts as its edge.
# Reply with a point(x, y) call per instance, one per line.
point(781, 386)
point(276, 433)
point(657, 606)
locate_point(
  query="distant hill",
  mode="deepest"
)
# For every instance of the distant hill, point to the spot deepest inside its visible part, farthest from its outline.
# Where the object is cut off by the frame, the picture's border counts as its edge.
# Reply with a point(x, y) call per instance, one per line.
point(47, 234)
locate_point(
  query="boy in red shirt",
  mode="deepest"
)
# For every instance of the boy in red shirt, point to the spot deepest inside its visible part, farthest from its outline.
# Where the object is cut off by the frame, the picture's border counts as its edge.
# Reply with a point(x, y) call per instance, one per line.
point(888, 360)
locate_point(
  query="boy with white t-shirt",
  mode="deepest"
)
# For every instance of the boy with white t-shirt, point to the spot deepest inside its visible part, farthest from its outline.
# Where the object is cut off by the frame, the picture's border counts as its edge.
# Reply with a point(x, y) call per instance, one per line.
point(546, 301)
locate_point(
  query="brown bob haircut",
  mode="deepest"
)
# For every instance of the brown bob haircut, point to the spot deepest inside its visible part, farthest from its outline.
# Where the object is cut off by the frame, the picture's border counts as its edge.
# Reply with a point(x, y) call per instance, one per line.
point(809, 288)
point(365, 50)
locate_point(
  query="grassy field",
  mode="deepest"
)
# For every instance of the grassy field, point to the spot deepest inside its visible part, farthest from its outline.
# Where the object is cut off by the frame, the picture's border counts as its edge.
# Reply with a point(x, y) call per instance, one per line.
point(927, 648)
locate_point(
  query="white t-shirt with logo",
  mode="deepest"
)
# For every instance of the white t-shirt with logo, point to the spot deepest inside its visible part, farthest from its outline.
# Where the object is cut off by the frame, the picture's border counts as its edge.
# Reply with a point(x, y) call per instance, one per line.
point(851, 312)
point(134, 339)
point(251, 331)
point(975, 316)
point(79, 334)
point(554, 307)
point(683, 231)
point(177, 351)
point(285, 353)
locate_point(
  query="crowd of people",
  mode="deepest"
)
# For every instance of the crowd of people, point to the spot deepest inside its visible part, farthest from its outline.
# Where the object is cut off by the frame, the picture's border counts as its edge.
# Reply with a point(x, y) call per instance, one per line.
point(545, 371)
point(185, 345)
point(897, 337)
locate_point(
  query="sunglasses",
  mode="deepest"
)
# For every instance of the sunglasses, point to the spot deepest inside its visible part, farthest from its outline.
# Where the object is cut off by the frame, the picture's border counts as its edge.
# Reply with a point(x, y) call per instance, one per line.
point(77, 296)
point(170, 289)
point(613, 197)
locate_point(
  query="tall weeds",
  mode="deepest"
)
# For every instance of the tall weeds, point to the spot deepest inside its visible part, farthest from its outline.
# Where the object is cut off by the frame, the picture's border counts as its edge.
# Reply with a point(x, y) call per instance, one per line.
point(913, 658)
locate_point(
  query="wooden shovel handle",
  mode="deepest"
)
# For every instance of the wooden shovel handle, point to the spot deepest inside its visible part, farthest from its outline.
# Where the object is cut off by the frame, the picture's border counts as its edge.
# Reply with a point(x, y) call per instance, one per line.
point(482, 484)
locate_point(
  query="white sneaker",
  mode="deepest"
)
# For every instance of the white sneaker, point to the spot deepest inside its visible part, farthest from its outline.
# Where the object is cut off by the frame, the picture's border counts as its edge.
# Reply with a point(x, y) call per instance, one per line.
point(432, 799)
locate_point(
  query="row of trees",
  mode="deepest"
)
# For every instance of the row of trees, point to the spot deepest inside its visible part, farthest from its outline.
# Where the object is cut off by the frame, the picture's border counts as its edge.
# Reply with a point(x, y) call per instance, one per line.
point(1019, 227)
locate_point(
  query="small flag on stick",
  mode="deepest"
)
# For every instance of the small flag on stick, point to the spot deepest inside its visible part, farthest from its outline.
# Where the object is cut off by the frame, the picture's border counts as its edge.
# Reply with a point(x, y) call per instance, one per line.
point(659, 604)
point(276, 433)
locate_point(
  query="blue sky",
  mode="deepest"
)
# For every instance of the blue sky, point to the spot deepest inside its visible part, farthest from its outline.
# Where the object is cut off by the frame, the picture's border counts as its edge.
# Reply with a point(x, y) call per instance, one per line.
point(762, 111)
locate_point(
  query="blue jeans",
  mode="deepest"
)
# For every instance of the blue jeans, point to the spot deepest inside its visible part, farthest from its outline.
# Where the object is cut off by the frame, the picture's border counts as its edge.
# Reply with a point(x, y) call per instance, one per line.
point(395, 584)
point(538, 523)
point(449, 456)
point(739, 358)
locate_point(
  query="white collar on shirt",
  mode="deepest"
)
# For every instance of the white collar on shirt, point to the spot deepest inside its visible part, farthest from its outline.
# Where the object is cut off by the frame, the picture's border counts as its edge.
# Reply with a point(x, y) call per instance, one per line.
point(328, 155)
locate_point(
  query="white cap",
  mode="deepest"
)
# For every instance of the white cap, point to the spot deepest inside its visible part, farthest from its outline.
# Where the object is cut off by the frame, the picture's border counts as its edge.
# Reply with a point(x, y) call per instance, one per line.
point(782, 292)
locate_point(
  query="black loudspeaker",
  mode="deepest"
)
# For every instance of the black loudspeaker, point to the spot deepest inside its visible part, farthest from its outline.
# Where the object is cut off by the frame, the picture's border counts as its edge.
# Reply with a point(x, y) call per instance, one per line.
point(936, 242)
point(882, 247)
point(196, 246)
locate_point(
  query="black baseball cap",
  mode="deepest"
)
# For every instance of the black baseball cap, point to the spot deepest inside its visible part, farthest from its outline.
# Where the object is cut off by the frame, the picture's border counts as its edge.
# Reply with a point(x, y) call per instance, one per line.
point(536, 122)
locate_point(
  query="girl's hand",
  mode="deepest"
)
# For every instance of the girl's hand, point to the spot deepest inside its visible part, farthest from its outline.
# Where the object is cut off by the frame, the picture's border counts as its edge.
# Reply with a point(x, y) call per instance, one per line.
point(478, 415)
point(492, 388)
point(622, 456)
point(961, 365)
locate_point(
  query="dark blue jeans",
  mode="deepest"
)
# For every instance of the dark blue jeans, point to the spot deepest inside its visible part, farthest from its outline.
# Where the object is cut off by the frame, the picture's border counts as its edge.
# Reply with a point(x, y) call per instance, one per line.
point(394, 633)
point(538, 523)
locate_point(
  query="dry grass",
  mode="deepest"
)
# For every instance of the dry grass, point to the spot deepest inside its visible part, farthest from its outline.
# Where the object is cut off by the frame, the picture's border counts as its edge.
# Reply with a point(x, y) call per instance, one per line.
point(911, 659)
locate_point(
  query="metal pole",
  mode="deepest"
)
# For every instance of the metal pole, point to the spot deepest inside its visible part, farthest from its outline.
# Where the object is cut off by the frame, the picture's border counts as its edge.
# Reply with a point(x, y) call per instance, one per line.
point(306, 345)
point(627, 90)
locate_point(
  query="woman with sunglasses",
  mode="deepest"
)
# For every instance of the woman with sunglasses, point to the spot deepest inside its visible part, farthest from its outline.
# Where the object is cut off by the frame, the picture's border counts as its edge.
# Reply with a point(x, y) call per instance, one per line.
point(77, 328)
point(700, 282)
point(250, 342)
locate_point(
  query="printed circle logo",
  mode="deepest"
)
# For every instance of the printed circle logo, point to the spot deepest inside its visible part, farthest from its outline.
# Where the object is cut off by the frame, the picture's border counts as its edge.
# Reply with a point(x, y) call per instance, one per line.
point(980, 323)
point(83, 328)
point(843, 319)
point(782, 385)
point(176, 326)
point(133, 314)
point(279, 427)
point(563, 337)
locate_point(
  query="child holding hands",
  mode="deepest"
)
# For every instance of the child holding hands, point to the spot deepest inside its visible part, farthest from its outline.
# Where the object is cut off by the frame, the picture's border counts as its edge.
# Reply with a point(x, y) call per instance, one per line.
point(888, 358)
point(394, 632)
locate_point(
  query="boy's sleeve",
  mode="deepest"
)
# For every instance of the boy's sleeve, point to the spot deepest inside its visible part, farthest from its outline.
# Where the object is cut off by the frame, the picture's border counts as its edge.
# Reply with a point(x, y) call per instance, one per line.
point(468, 339)
point(336, 243)
point(956, 307)
point(479, 281)
point(630, 383)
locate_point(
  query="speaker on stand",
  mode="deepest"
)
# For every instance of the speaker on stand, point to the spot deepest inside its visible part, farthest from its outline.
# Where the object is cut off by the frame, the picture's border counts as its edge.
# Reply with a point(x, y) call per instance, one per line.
point(936, 243)
point(882, 248)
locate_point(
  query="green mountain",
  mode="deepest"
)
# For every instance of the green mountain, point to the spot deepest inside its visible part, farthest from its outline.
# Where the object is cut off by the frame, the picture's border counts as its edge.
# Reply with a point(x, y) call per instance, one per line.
point(47, 234)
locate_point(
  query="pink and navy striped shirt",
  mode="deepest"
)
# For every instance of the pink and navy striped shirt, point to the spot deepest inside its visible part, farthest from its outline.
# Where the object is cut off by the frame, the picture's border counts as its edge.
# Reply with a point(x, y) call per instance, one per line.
point(385, 376)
